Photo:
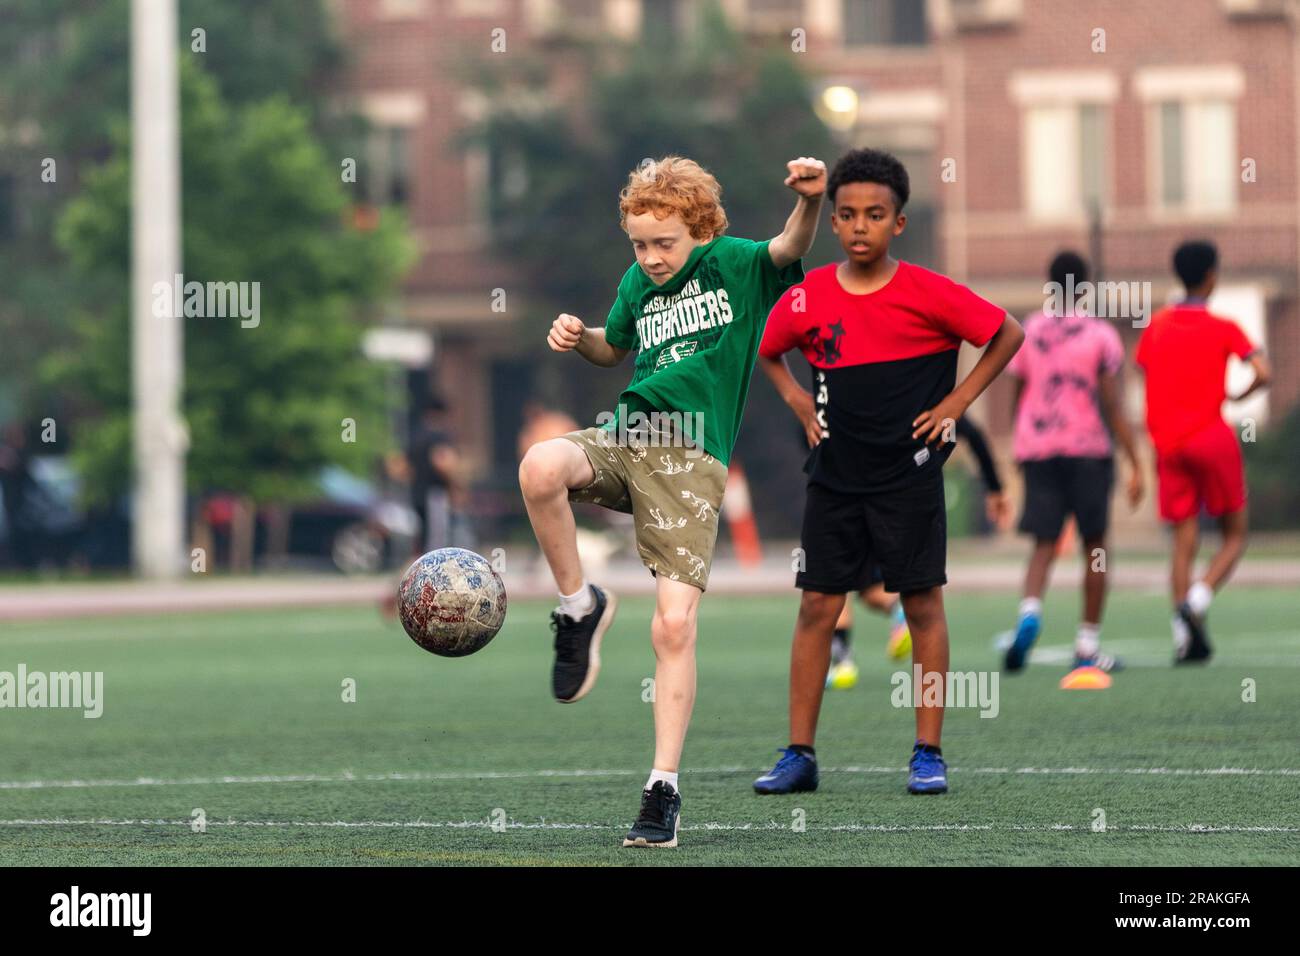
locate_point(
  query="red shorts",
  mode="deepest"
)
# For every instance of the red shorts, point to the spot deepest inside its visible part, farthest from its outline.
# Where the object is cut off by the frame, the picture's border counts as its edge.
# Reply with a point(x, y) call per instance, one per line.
point(1205, 470)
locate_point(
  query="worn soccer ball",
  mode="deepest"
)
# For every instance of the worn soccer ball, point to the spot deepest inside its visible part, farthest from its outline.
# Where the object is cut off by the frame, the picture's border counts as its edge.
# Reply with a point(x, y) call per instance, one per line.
point(452, 602)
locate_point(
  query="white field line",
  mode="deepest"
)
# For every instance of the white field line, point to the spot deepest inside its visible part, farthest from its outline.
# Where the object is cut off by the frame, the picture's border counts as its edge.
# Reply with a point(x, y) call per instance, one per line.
point(436, 776)
point(771, 825)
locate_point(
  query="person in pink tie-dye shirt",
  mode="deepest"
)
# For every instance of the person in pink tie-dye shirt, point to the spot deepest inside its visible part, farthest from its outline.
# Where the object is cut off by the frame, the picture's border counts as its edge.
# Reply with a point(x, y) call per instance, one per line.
point(1067, 407)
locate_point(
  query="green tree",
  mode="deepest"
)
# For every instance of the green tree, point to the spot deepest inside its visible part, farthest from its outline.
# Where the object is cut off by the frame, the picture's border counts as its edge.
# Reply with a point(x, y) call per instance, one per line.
point(262, 203)
point(64, 88)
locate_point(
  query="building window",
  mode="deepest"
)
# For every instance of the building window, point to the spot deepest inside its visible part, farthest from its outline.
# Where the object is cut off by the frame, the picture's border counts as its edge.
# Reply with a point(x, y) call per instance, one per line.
point(1195, 164)
point(1064, 158)
point(884, 22)
point(1191, 134)
point(388, 154)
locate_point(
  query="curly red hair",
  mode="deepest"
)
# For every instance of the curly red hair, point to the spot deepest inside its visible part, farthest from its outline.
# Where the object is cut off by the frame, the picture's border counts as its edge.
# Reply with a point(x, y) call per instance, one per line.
point(675, 185)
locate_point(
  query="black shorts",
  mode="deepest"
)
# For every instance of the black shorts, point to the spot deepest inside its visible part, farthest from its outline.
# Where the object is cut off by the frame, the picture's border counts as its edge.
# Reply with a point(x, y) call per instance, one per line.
point(846, 537)
point(1056, 487)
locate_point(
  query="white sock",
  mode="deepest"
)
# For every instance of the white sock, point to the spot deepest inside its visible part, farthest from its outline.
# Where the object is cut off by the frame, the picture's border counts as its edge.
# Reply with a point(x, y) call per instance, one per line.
point(1198, 598)
point(1031, 607)
point(669, 778)
point(1181, 634)
point(1087, 641)
point(578, 604)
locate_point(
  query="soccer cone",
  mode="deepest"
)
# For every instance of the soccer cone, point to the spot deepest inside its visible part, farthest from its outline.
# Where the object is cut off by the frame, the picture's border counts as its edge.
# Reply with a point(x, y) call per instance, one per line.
point(1086, 678)
point(736, 508)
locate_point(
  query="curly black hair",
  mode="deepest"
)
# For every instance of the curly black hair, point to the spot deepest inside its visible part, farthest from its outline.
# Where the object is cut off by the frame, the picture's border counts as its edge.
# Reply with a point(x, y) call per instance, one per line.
point(871, 166)
point(1194, 260)
point(1068, 263)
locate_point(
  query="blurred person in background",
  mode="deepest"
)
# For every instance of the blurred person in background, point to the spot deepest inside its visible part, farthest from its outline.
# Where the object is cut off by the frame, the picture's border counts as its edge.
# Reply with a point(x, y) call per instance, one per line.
point(437, 485)
point(1184, 352)
point(541, 424)
point(18, 489)
point(1068, 420)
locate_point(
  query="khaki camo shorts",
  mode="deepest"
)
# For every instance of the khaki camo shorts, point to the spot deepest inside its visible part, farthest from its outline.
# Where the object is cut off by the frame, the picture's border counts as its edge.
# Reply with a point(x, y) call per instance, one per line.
point(672, 493)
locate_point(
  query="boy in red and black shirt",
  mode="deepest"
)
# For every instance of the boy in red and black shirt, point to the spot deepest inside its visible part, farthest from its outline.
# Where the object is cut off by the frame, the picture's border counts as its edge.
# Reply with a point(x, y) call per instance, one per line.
point(1184, 352)
point(882, 337)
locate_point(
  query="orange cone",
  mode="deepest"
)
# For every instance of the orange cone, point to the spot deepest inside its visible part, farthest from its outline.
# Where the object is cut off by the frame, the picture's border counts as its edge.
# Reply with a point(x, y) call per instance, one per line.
point(1085, 678)
point(739, 512)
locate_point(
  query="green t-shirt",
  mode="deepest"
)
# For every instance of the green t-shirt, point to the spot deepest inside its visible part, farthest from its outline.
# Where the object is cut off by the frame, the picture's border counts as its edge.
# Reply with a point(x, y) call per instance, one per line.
point(697, 335)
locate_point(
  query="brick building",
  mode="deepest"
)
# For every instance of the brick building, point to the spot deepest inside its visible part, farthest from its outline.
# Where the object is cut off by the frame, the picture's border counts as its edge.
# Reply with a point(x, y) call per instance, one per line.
point(1113, 127)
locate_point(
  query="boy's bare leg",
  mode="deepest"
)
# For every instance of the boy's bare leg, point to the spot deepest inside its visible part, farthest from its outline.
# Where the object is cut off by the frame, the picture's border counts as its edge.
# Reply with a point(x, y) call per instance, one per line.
point(1185, 544)
point(845, 620)
point(929, 626)
point(546, 474)
point(1094, 581)
point(1230, 551)
point(810, 656)
point(877, 598)
point(672, 633)
point(1041, 560)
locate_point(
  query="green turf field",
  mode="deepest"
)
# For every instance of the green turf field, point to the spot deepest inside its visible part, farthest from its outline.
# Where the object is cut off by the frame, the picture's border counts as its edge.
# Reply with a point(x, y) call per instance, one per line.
point(241, 714)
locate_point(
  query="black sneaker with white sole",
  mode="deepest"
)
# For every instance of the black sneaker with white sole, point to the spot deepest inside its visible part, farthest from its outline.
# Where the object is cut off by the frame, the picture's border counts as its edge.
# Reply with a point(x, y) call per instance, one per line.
point(577, 647)
point(1198, 649)
point(656, 826)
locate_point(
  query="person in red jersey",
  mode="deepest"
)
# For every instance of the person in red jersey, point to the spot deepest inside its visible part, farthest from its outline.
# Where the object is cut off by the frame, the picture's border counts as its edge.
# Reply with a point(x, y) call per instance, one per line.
point(1184, 353)
point(882, 337)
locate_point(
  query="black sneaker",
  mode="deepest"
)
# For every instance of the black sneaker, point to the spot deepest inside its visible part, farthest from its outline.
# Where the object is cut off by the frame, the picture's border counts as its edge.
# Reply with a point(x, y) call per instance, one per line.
point(1198, 649)
point(577, 648)
point(661, 808)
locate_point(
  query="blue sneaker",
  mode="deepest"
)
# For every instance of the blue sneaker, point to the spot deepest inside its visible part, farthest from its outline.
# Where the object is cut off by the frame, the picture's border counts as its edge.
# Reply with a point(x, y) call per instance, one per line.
point(793, 773)
point(929, 774)
point(1026, 634)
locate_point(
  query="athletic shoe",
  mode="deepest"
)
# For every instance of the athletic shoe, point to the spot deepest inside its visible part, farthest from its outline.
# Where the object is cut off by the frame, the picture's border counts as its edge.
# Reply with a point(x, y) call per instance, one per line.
point(900, 641)
point(842, 676)
point(1026, 634)
point(577, 647)
point(660, 817)
point(1197, 650)
point(1103, 662)
point(928, 772)
point(793, 773)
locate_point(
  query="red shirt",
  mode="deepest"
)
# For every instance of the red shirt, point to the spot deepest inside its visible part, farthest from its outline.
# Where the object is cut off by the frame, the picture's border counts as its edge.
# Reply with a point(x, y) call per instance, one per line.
point(879, 360)
point(1184, 352)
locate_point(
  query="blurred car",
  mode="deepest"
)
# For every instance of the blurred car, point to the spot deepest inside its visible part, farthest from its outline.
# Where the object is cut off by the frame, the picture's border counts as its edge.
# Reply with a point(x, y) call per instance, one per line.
point(51, 519)
point(349, 525)
point(359, 529)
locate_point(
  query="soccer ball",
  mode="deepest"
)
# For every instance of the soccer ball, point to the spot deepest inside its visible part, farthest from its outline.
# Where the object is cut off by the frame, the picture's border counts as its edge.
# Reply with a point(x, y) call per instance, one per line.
point(452, 602)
